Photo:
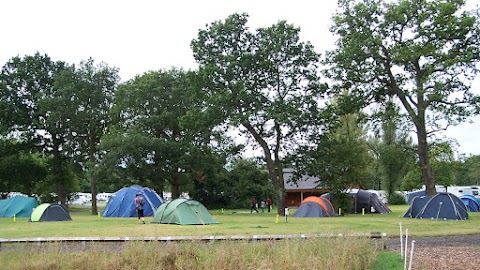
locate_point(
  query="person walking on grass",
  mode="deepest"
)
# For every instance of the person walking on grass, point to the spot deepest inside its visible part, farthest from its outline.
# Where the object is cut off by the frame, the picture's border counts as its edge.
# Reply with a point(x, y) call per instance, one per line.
point(253, 205)
point(139, 203)
point(269, 204)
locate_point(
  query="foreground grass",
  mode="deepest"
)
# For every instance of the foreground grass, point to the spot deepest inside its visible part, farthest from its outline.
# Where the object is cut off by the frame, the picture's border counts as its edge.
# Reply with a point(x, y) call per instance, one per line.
point(86, 225)
point(330, 253)
point(388, 260)
point(323, 253)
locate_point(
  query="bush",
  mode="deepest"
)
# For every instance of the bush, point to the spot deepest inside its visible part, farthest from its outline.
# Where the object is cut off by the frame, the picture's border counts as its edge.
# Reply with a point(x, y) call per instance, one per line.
point(396, 199)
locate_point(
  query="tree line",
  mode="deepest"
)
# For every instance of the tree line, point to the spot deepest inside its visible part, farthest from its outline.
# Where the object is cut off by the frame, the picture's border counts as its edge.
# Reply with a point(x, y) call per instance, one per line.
point(343, 116)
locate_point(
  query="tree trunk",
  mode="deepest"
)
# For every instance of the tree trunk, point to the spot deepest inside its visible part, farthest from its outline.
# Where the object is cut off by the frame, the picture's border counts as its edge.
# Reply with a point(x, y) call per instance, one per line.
point(274, 167)
point(90, 167)
point(58, 171)
point(93, 184)
point(280, 187)
point(423, 158)
point(159, 187)
point(175, 183)
point(419, 121)
point(157, 177)
point(175, 191)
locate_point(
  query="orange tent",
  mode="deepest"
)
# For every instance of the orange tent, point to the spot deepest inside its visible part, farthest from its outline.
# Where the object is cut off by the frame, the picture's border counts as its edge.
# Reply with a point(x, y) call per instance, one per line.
point(315, 207)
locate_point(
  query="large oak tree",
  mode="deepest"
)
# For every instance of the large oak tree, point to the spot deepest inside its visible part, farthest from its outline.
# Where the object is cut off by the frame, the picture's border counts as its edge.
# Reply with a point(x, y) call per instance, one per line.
point(85, 96)
point(422, 52)
point(264, 83)
point(152, 143)
point(33, 112)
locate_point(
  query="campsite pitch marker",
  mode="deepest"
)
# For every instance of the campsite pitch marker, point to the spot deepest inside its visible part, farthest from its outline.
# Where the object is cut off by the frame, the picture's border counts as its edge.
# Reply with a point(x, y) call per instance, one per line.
point(406, 249)
point(412, 246)
point(401, 241)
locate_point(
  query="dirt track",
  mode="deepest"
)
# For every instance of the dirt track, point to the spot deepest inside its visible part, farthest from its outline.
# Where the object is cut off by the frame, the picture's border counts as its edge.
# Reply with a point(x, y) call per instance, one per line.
point(445, 252)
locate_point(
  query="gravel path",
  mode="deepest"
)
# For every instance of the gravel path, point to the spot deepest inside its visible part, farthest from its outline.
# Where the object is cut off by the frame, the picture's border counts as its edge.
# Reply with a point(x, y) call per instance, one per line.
point(444, 252)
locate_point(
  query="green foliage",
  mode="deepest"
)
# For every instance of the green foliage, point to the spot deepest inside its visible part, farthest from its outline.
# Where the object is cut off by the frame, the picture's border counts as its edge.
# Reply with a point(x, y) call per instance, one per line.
point(36, 114)
point(396, 153)
point(234, 188)
point(265, 82)
point(396, 199)
point(443, 163)
point(466, 170)
point(247, 179)
point(388, 260)
point(412, 180)
point(341, 159)
point(342, 200)
point(88, 93)
point(473, 170)
point(422, 53)
point(21, 171)
point(154, 140)
point(26, 82)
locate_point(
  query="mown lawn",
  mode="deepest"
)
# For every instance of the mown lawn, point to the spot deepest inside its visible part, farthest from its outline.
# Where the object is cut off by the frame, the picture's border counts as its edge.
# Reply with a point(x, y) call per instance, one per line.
point(239, 223)
point(327, 253)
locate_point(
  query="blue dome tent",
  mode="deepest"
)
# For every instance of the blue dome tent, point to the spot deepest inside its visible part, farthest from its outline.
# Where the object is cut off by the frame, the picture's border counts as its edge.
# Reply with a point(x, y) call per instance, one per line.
point(472, 203)
point(444, 206)
point(121, 204)
point(412, 195)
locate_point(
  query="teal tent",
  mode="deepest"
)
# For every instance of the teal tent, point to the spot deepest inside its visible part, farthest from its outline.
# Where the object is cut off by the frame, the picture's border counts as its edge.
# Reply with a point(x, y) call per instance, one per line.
point(18, 206)
point(183, 212)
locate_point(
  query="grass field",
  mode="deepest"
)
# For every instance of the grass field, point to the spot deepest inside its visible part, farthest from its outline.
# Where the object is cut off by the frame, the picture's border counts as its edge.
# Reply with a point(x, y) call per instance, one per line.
point(325, 253)
point(84, 224)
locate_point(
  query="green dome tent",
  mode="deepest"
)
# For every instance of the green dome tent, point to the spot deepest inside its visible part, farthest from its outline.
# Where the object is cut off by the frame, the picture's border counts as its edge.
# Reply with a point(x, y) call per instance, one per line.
point(183, 212)
point(18, 206)
point(50, 212)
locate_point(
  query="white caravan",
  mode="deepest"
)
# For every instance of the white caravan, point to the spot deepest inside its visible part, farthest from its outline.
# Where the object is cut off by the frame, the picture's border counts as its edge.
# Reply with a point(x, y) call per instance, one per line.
point(464, 190)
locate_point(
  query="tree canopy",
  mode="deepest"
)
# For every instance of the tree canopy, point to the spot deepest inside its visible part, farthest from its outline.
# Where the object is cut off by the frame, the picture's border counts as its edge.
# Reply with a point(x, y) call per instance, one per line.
point(265, 83)
point(421, 52)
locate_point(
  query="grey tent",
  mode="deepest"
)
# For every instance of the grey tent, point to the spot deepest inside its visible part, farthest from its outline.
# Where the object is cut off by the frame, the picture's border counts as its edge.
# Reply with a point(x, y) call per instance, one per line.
point(315, 207)
point(369, 202)
point(364, 201)
point(50, 212)
point(444, 206)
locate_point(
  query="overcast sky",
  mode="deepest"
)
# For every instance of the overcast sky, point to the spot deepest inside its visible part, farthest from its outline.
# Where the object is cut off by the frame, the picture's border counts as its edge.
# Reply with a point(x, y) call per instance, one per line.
point(138, 36)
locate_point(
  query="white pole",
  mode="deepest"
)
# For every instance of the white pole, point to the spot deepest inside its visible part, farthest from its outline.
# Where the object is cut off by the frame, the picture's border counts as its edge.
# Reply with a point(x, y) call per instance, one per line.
point(406, 249)
point(401, 240)
point(411, 254)
point(439, 207)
